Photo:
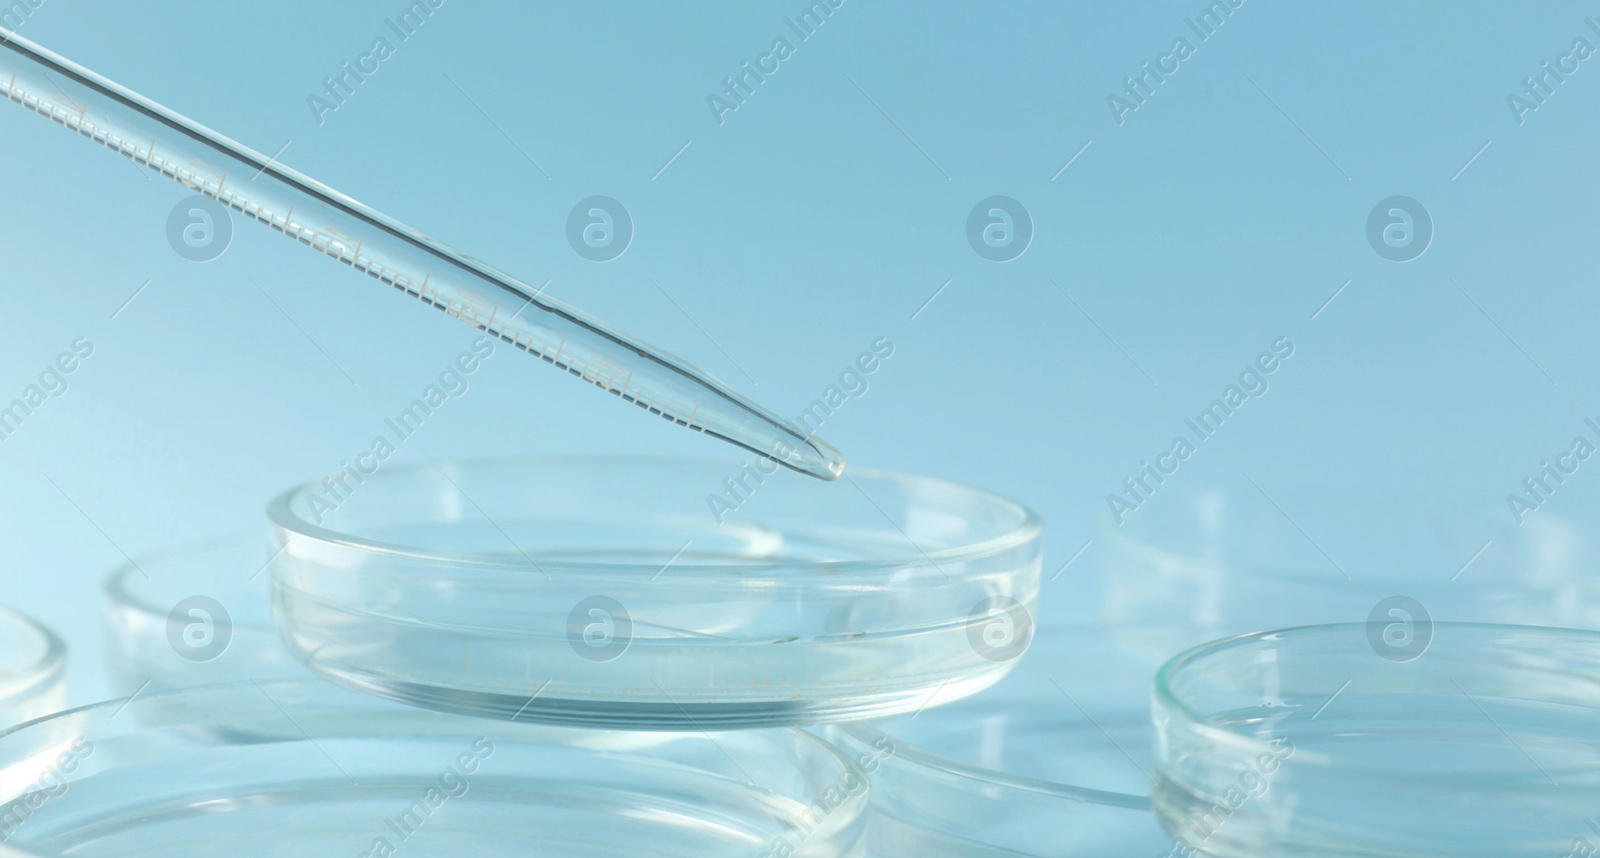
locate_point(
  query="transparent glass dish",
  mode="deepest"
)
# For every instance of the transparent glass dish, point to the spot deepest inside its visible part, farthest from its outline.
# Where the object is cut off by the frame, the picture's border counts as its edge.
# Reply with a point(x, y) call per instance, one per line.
point(611, 592)
point(1208, 563)
point(1320, 741)
point(33, 664)
point(307, 769)
point(195, 614)
point(1051, 762)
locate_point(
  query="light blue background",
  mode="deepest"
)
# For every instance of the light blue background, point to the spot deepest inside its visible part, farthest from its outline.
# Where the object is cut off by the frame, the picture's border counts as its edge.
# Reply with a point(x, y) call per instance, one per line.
point(822, 214)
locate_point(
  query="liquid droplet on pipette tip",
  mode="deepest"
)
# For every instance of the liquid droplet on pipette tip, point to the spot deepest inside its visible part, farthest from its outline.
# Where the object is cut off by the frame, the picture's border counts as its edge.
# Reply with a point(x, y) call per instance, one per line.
point(819, 459)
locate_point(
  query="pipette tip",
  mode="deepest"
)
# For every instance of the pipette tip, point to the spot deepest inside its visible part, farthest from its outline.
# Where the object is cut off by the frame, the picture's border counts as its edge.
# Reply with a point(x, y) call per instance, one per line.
point(819, 459)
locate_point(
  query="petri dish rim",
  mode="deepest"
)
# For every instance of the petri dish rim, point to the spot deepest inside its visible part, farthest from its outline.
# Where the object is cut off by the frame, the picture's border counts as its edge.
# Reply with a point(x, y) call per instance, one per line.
point(413, 723)
point(50, 665)
point(775, 635)
point(77, 710)
point(280, 512)
point(139, 595)
point(922, 758)
point(1194, 721)
point(116, 584)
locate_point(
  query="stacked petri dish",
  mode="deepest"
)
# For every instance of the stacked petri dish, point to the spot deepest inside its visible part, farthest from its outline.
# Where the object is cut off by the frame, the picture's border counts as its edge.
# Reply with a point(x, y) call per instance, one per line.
point(193, 615)
point(1217, 562)
point(585, 657)
point(609, 592)
point(32, 669)
point(1320, 741)
point(1057, 758)
point(1374, 731)
point(308, 769)
point(1052, 761)
point(639, 663)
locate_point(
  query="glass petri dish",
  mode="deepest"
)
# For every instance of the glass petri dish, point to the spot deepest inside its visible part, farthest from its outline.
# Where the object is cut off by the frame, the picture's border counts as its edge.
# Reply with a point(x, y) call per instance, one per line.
point(1220, 561)
point(307, 769)
point(1052, 761)
point(613, 592)
point(195, 614)
point(33, 665)
point(1321, 741)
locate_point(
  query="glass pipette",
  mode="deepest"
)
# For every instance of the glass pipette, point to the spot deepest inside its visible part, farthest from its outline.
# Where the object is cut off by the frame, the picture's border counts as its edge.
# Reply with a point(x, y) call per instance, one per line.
point(342, 229)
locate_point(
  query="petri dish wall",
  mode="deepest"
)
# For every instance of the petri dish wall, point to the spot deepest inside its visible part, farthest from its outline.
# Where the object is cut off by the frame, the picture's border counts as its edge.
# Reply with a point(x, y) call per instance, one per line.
point(195, 614)
point(609, 592)
point(307, 769)
point(1214, 563)
point(1322, 741)
point(32, 669)
point(1052, 761)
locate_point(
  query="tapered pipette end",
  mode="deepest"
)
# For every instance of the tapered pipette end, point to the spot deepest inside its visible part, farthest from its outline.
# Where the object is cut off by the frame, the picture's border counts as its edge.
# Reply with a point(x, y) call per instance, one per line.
point(817, 458)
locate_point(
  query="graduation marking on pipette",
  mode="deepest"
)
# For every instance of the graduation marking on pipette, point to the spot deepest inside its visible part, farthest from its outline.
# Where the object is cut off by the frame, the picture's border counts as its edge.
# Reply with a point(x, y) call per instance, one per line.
point(344, 230)
point(469, 307)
